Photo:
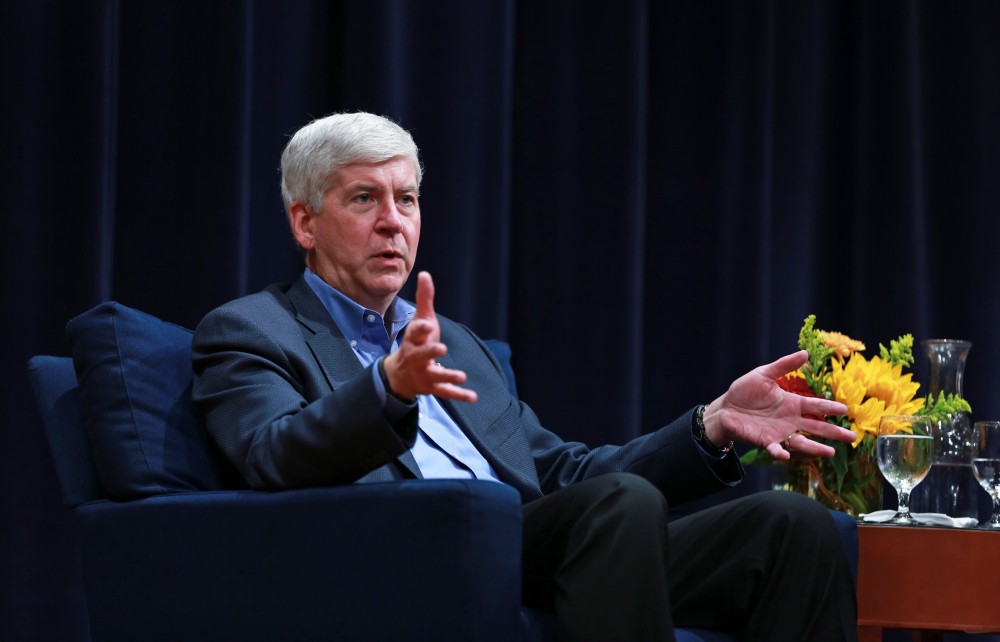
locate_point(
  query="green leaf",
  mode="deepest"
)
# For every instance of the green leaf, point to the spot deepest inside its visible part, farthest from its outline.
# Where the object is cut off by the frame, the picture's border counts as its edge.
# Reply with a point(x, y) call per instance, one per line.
point(900, 351)
point(839, 465)
point(944, 405)
point(856, 500)
point(817, 369)
point(756, 456)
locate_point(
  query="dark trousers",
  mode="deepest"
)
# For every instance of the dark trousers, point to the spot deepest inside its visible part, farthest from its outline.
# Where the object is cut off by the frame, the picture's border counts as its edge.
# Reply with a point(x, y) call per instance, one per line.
point(602, 555)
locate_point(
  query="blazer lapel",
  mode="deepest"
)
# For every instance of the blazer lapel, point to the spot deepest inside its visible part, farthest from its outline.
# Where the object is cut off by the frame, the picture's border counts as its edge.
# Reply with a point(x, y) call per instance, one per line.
point(516, 469)
point(334, 356)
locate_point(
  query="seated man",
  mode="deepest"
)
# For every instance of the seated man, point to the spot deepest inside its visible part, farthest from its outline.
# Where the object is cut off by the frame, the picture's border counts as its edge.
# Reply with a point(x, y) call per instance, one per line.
point(334, 379)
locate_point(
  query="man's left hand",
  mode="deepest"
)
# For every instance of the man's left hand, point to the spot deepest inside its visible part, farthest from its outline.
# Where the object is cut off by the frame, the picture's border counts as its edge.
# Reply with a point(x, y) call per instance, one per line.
point(756, 411)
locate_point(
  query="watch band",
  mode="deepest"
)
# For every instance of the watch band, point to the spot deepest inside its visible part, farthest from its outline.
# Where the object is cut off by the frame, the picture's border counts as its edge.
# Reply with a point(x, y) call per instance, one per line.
point(698, 428)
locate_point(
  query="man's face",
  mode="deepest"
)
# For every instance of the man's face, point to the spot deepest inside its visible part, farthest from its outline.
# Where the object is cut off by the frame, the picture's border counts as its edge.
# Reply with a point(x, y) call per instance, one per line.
point(363, 241)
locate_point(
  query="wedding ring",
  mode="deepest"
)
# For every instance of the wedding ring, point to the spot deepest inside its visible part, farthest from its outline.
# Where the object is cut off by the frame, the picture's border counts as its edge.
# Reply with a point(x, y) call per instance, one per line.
point(788, 441)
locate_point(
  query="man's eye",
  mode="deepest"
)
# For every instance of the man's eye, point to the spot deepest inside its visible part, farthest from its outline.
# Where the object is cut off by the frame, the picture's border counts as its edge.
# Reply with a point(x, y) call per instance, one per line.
point(408, 200)
point(363, 198)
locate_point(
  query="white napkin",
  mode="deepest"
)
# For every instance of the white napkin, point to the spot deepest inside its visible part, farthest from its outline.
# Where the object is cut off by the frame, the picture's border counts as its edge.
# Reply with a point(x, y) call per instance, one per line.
point(931, 519)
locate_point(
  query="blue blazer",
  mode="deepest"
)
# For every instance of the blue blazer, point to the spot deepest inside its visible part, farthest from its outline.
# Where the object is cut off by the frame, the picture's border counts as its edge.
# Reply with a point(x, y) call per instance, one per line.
point(288, 403)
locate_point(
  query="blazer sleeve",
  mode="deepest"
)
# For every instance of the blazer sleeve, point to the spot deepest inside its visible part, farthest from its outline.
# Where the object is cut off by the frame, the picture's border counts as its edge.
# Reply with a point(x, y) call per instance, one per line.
point(668, 457)
point(537, 461)
point(273, 411)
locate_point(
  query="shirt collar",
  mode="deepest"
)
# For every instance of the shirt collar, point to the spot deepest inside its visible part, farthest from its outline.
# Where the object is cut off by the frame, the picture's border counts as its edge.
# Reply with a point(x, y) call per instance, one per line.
point(364, 329)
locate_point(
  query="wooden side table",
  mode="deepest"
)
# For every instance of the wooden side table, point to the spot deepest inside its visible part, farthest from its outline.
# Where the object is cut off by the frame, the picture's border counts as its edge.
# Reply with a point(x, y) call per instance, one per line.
point(927, 579)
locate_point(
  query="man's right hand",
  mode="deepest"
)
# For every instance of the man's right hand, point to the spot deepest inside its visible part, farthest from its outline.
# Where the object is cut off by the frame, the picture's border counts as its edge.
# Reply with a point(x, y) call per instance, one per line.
point(412, 369)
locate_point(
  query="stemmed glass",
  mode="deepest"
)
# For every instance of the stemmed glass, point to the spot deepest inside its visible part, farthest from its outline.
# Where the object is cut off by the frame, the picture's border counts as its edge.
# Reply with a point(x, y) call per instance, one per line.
point(905, 450)
point(986, 464)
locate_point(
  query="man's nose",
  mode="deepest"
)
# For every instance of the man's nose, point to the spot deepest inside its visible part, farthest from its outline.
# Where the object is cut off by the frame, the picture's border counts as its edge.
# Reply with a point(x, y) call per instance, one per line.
point(389, 218)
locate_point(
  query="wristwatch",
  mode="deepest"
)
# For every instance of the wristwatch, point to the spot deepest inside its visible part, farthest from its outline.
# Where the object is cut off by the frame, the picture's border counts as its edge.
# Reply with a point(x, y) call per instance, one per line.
point(698, 428)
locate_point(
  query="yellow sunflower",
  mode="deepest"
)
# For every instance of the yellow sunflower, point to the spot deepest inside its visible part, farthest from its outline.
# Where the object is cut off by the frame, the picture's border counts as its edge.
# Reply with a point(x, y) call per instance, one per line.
point(871, 389)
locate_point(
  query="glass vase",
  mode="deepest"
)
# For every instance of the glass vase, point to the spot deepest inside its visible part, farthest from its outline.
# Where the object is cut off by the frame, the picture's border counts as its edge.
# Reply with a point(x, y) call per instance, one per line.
point(859, 491)
point(950, 487)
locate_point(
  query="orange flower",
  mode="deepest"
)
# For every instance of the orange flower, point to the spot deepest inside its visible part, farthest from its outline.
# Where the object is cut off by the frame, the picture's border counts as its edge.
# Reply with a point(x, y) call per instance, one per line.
point(842, 345)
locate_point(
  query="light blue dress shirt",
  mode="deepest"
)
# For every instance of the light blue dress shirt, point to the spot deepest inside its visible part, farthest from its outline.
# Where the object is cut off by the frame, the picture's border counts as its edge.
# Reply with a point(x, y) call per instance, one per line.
point(441, 448)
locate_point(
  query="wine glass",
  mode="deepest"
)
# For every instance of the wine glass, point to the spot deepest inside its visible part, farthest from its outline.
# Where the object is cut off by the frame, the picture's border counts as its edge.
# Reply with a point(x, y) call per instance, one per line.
point(986, 464)
point(905, 450)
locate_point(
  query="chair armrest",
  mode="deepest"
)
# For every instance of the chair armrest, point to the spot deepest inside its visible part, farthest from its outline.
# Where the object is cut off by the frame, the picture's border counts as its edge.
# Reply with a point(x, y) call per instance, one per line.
point(847, 527)
point(432, 559)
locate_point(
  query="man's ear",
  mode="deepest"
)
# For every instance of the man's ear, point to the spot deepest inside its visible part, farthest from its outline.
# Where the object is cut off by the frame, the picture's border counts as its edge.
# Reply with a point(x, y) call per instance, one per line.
point(300, 217)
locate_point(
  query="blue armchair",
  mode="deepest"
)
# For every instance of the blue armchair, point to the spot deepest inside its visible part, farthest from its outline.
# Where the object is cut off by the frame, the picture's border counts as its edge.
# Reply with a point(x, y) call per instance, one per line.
point(173, 546)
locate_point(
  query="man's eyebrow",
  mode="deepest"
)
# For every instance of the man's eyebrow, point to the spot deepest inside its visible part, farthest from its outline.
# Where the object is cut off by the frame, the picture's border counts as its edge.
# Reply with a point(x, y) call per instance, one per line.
point(361, 186)
point(364, 187)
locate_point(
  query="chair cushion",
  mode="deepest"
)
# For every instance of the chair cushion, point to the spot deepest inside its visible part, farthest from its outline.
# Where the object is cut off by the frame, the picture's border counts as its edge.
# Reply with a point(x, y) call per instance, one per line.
point(135, 380)
point(58, 397)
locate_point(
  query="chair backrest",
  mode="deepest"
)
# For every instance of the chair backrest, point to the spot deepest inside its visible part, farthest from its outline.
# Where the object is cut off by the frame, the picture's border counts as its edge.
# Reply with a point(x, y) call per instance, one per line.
point(140, 433)
point(57, 396)
point(501, 350)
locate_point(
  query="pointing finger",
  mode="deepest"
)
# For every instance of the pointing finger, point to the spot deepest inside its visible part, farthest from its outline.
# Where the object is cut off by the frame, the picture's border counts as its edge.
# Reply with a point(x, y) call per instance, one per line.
point(425, 295)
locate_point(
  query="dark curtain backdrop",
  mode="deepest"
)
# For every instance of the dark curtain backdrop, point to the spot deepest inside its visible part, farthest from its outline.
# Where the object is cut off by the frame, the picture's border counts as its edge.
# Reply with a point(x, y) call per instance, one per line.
point(645, 198)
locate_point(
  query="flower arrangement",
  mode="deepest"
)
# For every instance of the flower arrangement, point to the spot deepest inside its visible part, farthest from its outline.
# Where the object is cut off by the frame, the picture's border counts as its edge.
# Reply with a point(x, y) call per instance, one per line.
point(870, 388)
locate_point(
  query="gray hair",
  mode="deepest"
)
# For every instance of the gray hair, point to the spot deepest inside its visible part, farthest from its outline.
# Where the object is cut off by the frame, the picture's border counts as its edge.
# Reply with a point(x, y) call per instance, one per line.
point(326, 145)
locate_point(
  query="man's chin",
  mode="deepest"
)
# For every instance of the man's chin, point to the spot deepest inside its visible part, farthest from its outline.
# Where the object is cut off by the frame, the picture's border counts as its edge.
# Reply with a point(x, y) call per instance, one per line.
point(387, 284)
